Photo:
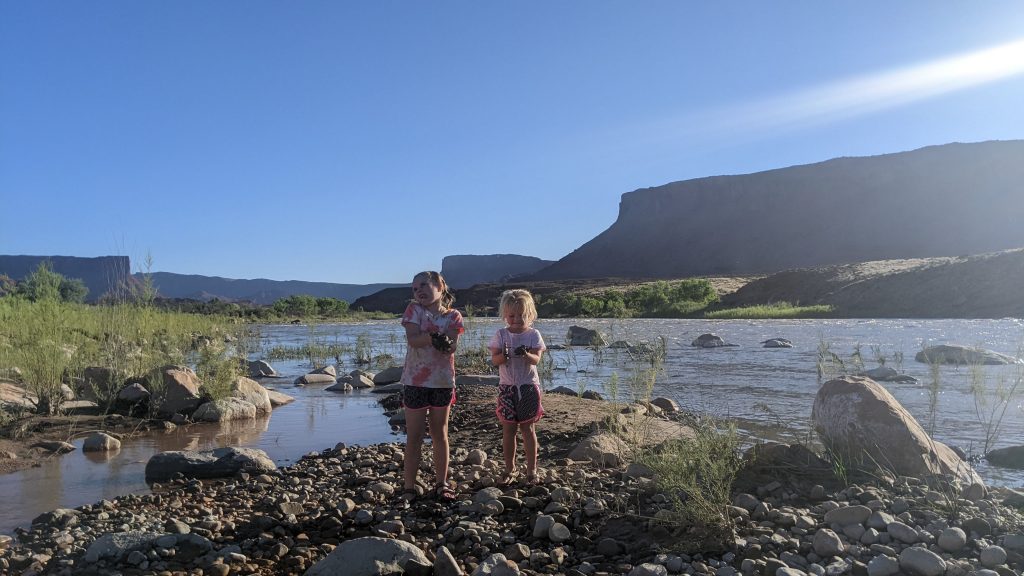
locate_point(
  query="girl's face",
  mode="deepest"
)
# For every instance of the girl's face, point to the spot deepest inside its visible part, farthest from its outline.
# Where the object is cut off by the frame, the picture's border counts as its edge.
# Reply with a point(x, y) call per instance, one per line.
point(425, 292)
point(514, 319)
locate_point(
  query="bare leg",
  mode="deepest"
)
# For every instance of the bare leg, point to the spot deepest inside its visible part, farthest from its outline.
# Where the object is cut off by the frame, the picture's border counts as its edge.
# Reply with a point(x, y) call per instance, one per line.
point(439, 440)
point(508, 446)
point(530, 448)
point(415, 424)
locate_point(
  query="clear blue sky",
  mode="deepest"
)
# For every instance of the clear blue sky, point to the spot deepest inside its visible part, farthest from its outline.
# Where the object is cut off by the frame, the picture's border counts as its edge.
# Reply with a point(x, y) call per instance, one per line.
point(360, 142)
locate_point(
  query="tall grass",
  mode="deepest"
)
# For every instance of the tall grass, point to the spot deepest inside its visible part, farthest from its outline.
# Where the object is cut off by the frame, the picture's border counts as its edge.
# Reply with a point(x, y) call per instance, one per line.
point(768, 311)
point(697, 473)
point(52, 342)
point(990, 405)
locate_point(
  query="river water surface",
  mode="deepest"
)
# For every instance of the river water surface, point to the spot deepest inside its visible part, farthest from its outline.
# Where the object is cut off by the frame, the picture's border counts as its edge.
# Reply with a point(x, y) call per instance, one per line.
point(757, 386)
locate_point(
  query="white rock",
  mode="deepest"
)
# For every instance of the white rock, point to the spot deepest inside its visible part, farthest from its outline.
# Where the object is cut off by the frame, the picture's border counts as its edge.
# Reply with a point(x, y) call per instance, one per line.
point(648, 569)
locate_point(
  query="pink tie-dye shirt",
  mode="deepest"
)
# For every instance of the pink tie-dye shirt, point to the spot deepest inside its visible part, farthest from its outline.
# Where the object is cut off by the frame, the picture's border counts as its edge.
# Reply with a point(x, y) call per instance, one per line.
point(426, 366)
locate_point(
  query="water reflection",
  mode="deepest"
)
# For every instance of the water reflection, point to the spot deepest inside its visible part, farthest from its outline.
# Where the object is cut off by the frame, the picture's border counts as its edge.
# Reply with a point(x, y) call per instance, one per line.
point(758, 385)
point(101, 456)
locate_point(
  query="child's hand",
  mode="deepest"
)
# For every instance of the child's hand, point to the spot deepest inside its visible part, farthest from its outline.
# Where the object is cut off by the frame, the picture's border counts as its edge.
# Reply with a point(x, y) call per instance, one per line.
point(505, 351)
point(442, 342)
point(522, 350)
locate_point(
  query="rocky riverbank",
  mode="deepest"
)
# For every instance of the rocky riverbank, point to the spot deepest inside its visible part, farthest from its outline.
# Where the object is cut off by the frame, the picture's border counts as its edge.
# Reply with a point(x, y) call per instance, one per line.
point(790, 515)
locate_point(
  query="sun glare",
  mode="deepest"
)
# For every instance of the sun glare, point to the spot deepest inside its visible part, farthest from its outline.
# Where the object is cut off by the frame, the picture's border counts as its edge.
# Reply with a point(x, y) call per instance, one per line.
point(857, 96)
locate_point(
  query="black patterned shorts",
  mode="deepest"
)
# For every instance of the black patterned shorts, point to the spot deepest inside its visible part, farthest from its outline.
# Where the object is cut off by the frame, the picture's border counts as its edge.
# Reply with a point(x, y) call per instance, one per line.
point(519, 404)
point(421, 398)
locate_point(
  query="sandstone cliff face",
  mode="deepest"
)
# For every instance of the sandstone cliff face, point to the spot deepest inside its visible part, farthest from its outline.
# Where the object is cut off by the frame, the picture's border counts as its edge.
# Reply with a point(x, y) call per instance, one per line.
point(938, 201)
point(463, 271)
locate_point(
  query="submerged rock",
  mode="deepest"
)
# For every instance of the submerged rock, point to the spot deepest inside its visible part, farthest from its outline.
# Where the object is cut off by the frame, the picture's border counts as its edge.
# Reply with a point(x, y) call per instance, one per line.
point(955, 354)
point(580, 336)
point(1009, 457)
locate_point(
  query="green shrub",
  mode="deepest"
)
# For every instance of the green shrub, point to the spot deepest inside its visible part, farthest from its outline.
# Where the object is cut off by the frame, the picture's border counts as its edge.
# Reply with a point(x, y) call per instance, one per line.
point(697, 475)
point(51, 342)
point(774, 310)
point(660, 299)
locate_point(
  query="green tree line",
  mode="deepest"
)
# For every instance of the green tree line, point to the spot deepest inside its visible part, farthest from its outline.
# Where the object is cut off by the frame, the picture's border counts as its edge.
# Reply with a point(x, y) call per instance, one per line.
point(660, 299)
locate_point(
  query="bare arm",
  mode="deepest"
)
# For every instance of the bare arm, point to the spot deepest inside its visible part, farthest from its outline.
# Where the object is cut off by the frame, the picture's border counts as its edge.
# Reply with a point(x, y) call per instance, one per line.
point(532, 358)
point(416, 337)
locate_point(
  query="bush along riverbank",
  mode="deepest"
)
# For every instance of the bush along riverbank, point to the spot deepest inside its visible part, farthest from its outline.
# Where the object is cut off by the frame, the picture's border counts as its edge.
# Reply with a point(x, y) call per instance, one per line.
point(619, 496)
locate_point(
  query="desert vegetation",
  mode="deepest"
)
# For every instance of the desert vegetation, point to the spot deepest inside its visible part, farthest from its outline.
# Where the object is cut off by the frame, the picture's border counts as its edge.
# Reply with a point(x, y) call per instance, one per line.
point(48, 339)
point(768, 311)
point(662, 299)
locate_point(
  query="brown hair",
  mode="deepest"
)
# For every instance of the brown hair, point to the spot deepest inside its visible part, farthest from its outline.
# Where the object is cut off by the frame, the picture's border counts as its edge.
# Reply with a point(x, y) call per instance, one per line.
point(435, 278)
point(518, 297)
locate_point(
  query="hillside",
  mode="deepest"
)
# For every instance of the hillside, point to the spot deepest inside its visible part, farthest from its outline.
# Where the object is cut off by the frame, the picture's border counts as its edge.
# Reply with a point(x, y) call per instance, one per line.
point(463, 271)
point(944, 200)
point(100, 275)
point(483, 298)
point(259, 291)
point(982, 286)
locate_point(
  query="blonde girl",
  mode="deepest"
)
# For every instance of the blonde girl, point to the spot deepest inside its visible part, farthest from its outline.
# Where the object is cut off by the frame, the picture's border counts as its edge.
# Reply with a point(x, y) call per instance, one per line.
point(516, 349)
point(432, 329)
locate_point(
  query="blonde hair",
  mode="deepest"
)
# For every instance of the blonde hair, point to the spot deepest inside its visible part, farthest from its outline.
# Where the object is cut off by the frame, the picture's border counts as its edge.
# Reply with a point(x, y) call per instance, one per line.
point(435, 278)
point(518, 297)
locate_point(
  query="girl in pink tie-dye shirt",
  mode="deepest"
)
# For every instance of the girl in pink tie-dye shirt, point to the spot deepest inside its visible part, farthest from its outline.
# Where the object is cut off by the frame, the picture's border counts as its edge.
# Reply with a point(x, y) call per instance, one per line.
point(432, 329)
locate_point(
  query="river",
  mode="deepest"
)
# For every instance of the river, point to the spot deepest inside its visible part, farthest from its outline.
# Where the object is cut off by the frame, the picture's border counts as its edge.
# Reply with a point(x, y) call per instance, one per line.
point(755, 385)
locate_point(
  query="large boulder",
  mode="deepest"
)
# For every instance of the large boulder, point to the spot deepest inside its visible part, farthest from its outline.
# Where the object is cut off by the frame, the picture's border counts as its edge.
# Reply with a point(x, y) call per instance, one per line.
point(15, 395)
point(325, 375)
point(180, 390)
point(388, 375)
point(260, 369)
point(230, 408)
point(955, 354)
point(861, 422)
point(97, 383)
point(361, 380)
point(279, 398)
point(580, 336)
point(117, 545)
point(601, 449)
point(368, 556)
point(252, 392)
point(217, 463)
point(133, 394)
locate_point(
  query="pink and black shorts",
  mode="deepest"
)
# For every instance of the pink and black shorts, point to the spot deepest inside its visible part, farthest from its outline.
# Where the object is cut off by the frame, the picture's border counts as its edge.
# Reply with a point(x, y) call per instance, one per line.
point(519, 404)
point(421, 398)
